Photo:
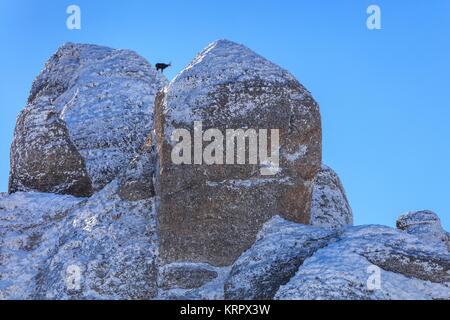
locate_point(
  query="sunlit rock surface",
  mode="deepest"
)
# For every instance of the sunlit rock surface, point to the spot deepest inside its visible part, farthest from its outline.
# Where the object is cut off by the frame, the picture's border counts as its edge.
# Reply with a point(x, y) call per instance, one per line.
point(88, 113)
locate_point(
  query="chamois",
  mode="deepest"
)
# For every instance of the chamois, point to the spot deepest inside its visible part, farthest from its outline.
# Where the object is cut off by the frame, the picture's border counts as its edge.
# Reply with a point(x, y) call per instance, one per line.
point(162, 66)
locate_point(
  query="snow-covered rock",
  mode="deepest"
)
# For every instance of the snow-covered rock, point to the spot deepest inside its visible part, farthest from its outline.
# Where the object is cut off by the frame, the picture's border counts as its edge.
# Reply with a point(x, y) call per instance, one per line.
point(330, 207)
point(212, 213)
point(426, 225)
point(372, 262)
point(30, 227)
point(43, 157)
point(136, 182)
point(112, 244)
point(88, 113)
point(280, 249)
point(61, 247)
point(142, 228)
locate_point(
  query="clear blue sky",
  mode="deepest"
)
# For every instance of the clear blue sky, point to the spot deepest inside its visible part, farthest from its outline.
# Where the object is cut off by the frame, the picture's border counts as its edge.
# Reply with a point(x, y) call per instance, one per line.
point(383, 94)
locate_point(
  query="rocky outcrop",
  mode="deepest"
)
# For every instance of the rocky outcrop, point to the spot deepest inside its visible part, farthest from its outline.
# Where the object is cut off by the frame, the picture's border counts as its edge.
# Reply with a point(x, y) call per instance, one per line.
point(274, 259)
point(120, 220)
point(88, 113)
point(61, 247)
point(30, 225)
point(330, 207)
point(372, 263)
point(43, 157)
point(211, 213)
point(425, 225)
point(112, 244)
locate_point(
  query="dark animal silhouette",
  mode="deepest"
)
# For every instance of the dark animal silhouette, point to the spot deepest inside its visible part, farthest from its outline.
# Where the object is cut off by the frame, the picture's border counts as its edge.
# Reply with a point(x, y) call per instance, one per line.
point(162, 66)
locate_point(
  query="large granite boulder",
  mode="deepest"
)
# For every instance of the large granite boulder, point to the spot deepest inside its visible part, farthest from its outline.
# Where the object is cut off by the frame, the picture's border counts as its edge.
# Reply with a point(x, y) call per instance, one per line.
point(372, 263)
point(426, 225)
point(330, 207)
point(209, 212)
point(88, 113)
point(279, 251)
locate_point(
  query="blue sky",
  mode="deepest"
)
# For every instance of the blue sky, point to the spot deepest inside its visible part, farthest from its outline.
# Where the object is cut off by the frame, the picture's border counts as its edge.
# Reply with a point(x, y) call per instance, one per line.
point(383, 93)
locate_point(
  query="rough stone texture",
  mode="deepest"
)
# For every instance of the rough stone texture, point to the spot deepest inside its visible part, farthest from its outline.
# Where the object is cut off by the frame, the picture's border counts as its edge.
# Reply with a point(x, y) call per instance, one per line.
point(211, 290)
point(212, 213)
point(42, 155)
point(274, 259)
point(89, 101)
point(136, 183)
point(426, 225)
point(185, 275)
point(30, 225)
point(409, 268)
point(330, 207)
point(87, 129)
point(114, 244)
point(110, 242)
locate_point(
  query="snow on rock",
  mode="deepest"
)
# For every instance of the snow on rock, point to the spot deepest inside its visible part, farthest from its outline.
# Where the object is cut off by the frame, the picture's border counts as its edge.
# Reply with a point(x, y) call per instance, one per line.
point(330, 207)
point(212, 213)
point(30, 226)
point(112, 245)
point(136, 182)
point(43, 157)
point(92, 105)
point(62, 247)
point(281, 247)
point(120, 221)
point(348, 268)
point(212, 288)
point(426, 225)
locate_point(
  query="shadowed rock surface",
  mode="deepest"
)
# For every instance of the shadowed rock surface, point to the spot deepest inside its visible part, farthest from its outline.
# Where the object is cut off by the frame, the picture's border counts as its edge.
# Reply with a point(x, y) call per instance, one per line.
point(185, 275)
point(43, 156)
point(330, 207)
point(212, 213)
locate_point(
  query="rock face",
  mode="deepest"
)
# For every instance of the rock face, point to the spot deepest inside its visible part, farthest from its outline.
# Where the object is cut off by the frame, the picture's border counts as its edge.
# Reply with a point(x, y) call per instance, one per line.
point(274, 259)
point(185, 275)
point(330, 207)
point(88, 113)
point(43, 157)
point(61, 247)
point(119, 220)
point(425, 225)
point(372, 262)
point(29, 229)
point(211, 213)
point(106, 246)
point(112, 244)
